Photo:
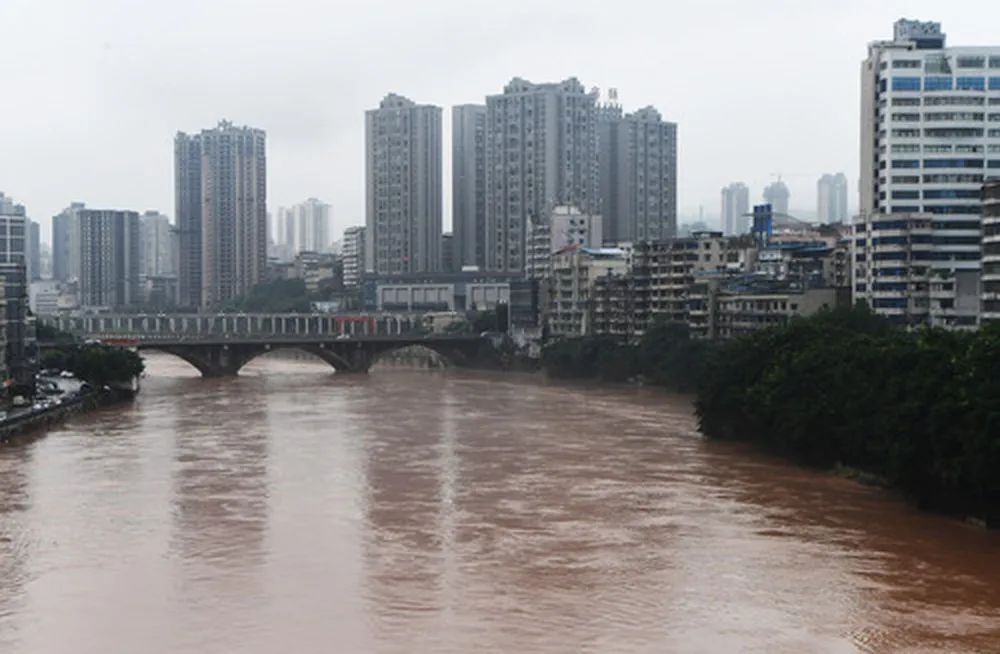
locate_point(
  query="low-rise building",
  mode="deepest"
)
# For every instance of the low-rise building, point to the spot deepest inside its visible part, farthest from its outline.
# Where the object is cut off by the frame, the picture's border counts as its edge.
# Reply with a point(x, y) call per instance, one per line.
point(421, 292)
point(742, 308)
point(564, 227)
point(575, 271)
point(892, 255)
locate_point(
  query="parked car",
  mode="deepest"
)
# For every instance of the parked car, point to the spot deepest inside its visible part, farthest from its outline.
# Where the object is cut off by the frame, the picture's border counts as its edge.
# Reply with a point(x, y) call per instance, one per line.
point(66, 374)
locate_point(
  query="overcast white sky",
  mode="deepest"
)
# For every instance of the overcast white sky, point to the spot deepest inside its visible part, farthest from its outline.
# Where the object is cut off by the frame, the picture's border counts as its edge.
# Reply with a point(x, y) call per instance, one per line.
point(94, 90)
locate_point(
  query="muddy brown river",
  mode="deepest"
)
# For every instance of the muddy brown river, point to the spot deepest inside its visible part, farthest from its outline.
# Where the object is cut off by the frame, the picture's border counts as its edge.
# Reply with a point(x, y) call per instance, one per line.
point(292, 510)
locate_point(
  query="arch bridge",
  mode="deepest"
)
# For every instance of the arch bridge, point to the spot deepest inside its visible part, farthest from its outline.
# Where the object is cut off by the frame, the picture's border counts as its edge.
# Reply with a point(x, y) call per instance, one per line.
point(220, 345)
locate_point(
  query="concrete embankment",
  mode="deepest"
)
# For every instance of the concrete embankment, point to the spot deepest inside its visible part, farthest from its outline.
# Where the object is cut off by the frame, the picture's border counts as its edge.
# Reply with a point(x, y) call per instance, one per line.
point(41, 419)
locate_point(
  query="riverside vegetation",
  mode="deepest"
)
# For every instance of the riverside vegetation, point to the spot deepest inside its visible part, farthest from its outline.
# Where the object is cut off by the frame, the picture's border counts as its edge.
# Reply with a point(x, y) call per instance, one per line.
point(919, 410)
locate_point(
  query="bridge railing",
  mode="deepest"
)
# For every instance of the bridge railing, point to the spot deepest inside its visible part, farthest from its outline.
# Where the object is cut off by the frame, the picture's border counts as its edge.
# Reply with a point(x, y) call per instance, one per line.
point(308, 326)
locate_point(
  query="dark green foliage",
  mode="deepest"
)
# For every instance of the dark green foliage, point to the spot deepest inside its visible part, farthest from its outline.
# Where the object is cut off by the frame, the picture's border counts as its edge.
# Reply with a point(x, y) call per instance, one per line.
point(278, 296)
point(918, 409)
point(666, 356)
point(97, 364)
point(48, 334)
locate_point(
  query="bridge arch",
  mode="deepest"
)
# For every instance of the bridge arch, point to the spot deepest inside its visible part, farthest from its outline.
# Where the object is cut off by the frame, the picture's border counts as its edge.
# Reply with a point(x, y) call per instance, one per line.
point(225, 360)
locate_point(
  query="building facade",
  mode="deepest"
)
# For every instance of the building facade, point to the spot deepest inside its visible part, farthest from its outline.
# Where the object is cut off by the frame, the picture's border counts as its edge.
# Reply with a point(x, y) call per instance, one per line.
point(563, 227)
point(354, 255)
point(541, 152)
point(991, 252)
point(403, 187)
point(831, 199)
point(221, 199)
point(468, 184)
point(157, 245)
point(20, 357)
point(66, 243)
point(34, 253)
point(638, 175)
point(735, 207)
point(930, 135)
point(110, 251)
point(576, 272)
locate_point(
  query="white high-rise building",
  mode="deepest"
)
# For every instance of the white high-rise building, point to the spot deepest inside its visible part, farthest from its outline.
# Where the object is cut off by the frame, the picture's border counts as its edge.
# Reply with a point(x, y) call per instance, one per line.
point(735, 206)
point(930, 135)
point(403, 187)
point(541, 152)
point(831, 199)
point(304, 227)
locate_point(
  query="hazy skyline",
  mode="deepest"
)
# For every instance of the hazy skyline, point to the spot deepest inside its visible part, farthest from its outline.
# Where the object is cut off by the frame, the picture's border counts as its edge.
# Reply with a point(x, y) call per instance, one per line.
point(96, 90)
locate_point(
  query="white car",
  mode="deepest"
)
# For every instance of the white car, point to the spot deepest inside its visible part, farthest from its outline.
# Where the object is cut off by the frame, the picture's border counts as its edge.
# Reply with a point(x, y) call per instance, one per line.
point(66, 374)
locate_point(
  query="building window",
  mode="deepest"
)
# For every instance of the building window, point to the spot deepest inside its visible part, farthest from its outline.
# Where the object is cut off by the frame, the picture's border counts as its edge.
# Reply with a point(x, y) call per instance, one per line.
point(995, 84)
point(970, 83)
point(953, 163)
point(906, 195)
point(951, 194)
point(905, 83)
point(970, 62)
point(937, 83)
point(905, 163)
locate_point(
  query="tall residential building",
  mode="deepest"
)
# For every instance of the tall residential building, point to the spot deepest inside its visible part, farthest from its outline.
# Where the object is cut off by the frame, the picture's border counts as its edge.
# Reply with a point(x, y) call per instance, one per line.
point(403, 186)
point(735, 207)
point(776, 194)
point(541, 152)
point(109, 258)
point(19, 342)
point(831, 199)
point(221, 198)
point(66, 243)
point(353, 255)
point(304, 227)
point(468, 184)
point(156, 255)
point(34, 251)
point(930, 134)
point(638, 175)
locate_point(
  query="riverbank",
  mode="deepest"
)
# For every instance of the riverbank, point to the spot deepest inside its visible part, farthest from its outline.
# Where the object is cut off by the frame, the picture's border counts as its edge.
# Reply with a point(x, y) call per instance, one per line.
point(844, 390)
point(38, 420)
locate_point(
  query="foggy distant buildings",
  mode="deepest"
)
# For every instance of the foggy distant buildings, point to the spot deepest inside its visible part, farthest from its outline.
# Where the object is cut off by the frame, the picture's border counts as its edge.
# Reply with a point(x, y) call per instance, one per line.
point(776, 194)
point(157, 245)
point(221, 198)
point(735, 206)
point(831, 199)
point(638, 175)
point(304, 227)
point(541, 152)
point(66, 243)
point(403, 187)
point(468, 184)
point(109, 258)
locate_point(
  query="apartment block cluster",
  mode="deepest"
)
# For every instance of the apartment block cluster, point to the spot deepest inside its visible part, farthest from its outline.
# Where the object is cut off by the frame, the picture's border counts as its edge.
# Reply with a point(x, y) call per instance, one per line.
point(926, 240)
point(719, 286)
